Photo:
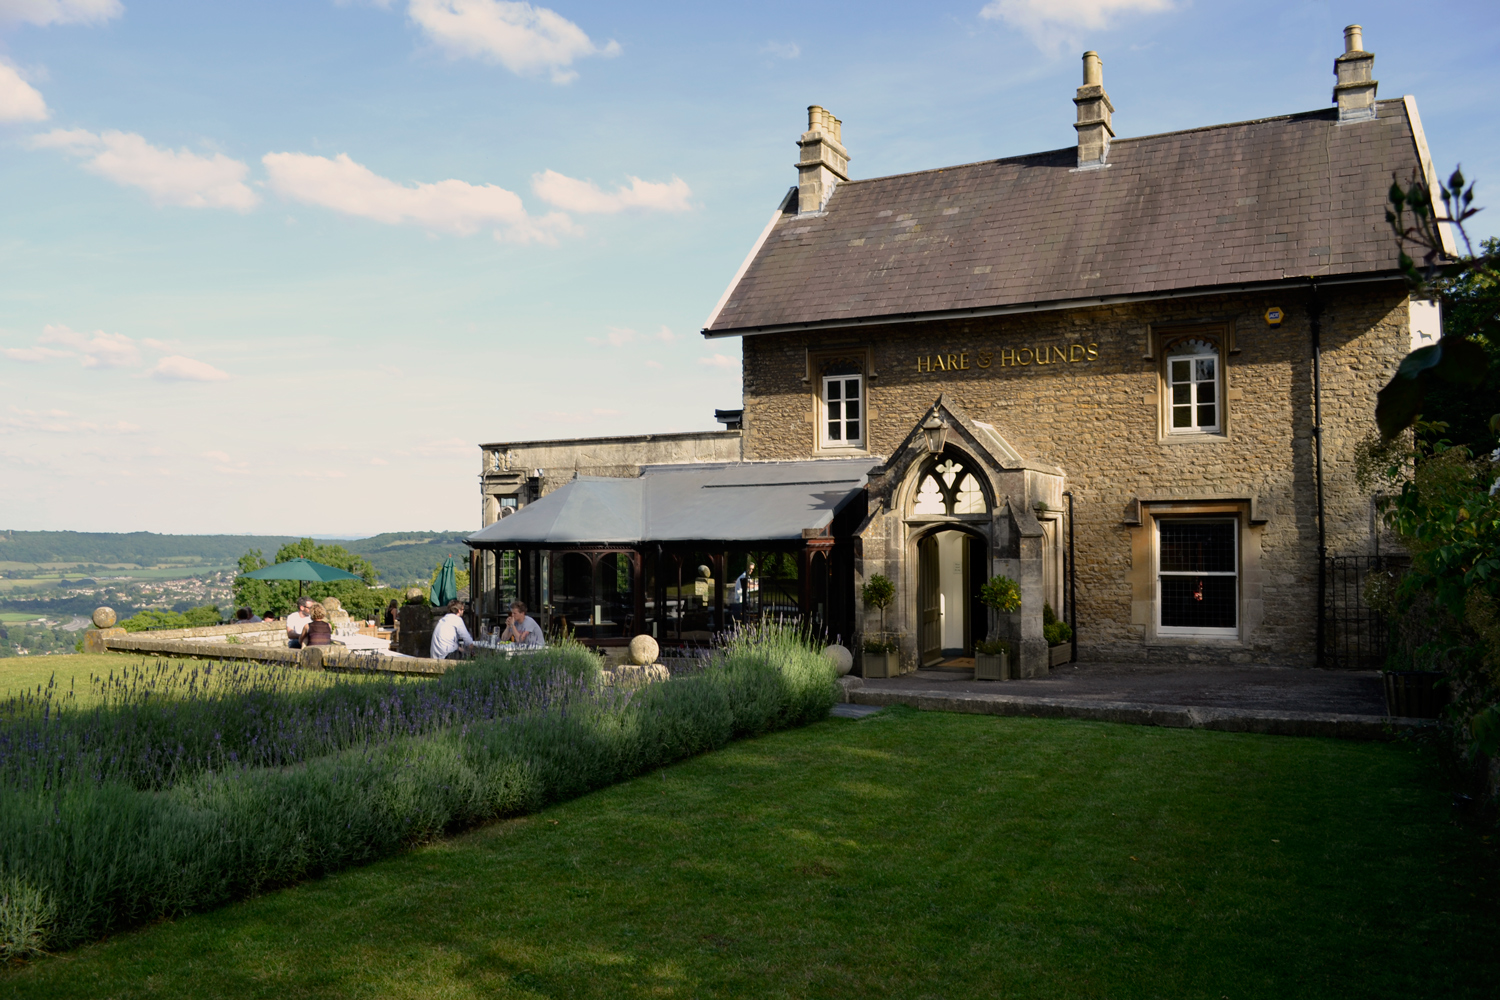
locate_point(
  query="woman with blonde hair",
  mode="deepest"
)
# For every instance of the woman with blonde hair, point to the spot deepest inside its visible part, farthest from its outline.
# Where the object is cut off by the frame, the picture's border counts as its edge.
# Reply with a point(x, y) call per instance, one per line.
point(317, 632)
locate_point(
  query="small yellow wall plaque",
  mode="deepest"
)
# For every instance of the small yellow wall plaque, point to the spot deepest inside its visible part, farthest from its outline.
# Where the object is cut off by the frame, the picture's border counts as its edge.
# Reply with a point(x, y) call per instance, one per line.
point(1274, 316)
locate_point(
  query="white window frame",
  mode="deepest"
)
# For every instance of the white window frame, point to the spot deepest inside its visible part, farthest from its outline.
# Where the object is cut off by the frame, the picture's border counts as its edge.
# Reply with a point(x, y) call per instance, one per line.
point(1191, 351)
point(1236, 573)
point(825, 419)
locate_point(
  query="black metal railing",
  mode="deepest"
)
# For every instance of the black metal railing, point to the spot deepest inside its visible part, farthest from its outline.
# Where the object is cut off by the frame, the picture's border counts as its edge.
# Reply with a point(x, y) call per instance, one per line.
point(1356, 636)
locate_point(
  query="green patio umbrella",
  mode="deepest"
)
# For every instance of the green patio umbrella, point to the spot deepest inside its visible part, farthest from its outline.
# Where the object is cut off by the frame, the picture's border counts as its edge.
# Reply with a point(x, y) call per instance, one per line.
point(446, 587)
point(304, 571)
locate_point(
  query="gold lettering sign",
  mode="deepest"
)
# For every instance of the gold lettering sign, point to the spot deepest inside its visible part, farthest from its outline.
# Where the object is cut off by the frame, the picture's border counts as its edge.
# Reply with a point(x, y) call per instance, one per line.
point(1009, 357)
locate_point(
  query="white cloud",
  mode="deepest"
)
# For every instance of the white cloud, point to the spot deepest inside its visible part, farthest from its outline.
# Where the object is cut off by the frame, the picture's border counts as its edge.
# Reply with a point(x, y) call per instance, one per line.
point(176, 368)
point(58, 422)
point(782, 50)
point(97, 349)
point(45, 12)
point(572, 195)
point(718, 361)
point(169, 177)
point(522, 38)
point(1054, 24)
point(35, 354)
point(449, 206)
point(620, 336)
point(19, 100)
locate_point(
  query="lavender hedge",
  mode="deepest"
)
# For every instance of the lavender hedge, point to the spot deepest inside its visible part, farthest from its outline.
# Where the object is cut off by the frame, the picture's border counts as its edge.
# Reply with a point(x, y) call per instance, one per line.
point(86, 857)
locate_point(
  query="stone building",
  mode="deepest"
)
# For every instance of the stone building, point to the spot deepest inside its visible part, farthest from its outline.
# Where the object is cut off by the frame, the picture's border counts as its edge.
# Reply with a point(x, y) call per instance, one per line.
point(1131, 375)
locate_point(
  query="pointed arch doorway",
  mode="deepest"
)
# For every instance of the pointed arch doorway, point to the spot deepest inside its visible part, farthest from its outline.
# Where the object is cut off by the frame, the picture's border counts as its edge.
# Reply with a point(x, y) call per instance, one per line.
point(950, 570)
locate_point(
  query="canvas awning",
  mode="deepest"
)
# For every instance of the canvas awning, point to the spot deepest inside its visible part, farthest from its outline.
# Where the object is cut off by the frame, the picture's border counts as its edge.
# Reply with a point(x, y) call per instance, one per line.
point(739, 502)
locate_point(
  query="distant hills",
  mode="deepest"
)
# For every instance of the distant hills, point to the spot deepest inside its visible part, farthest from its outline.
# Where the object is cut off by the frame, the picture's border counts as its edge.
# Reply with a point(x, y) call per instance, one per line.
point(399, 556)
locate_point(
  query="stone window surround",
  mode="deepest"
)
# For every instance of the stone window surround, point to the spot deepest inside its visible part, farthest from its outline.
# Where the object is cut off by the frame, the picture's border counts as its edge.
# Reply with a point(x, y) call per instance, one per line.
point(1143, 574)
point(862, 355)
point(1159, 341)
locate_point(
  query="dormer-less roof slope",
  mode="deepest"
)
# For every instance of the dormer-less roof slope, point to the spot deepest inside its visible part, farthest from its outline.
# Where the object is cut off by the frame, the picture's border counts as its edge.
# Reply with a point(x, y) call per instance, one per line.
point(1219, 207)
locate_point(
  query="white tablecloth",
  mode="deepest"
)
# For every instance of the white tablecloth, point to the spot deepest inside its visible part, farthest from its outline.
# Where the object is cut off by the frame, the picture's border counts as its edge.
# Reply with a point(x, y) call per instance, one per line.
point(363, 642)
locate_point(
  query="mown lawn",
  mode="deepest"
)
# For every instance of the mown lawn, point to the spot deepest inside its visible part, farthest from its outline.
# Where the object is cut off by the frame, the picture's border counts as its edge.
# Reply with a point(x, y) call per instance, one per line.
point(904, 855)
point(20, 673)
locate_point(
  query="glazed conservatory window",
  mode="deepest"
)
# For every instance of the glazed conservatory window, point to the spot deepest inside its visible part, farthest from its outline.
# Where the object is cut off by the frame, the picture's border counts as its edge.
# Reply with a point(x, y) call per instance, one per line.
point(843, 410)
point(1193, 388)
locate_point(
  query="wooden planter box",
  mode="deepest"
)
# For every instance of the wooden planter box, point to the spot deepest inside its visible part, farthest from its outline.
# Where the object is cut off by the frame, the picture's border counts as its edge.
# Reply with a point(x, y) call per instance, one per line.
point(876, 665)
point(991, 667)
point(1058, 655)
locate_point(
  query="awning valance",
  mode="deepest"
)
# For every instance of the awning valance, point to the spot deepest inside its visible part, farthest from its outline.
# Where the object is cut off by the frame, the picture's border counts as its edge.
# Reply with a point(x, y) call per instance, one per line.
point(739, 502)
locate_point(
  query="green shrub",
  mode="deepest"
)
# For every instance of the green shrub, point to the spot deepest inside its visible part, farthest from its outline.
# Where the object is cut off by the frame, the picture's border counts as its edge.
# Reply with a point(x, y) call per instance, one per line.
point(143, 621)
point(993, 647)
point(885, 644)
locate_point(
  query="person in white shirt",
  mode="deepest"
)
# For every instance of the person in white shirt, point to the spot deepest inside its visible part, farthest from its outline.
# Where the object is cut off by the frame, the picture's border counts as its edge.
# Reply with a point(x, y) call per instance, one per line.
point(450, 638)
point(296, 622)
point(521, 628)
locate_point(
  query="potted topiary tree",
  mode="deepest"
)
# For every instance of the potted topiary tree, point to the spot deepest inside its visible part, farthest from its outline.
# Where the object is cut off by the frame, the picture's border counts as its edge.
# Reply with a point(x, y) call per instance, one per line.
point(1059, 636)
point(881, 652)
point(992, 656)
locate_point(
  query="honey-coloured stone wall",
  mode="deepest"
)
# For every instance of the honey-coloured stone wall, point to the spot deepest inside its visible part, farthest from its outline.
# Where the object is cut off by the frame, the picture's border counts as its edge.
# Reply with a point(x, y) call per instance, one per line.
point(1094, 411)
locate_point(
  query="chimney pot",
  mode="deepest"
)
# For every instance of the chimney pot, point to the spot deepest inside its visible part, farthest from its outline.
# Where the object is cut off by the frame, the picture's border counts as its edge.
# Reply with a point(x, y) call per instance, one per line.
point(824, 160)
point(1354, 92)
point(1095, 125)
point(1093, 70)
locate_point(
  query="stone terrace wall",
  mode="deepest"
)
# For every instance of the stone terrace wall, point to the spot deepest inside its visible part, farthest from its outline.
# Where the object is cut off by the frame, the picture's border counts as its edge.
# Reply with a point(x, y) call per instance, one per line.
point(1099, 421)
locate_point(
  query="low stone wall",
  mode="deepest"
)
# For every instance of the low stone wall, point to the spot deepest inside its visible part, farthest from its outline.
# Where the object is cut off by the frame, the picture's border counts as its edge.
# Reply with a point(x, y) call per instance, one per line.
point(194, 644)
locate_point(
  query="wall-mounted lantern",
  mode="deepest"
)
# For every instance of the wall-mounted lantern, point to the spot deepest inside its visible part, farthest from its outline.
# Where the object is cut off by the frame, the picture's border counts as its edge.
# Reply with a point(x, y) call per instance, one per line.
point(936, 430)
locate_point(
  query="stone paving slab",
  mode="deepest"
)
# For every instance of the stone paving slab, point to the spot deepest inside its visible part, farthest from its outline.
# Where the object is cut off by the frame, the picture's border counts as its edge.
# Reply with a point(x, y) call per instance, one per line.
point(1273, 700)
point(1235, 720)
point(850, 711)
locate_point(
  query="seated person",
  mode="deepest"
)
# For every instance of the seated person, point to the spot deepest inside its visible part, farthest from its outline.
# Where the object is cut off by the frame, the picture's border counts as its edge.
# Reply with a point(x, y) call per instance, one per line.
point(521, 628)
point(450, 637)
point(318, 632)
point(390, 614)
point(296, 623)
point(246, 615)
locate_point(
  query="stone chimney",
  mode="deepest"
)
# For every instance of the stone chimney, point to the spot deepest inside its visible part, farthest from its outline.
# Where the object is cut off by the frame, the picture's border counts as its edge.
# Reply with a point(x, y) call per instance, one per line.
point(824, 161)
point(1355, 91)
point(1094, 111)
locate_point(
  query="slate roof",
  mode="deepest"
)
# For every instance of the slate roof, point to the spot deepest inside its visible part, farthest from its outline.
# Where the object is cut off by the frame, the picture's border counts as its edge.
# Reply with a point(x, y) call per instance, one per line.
point(735, 501)
point(1228, 205)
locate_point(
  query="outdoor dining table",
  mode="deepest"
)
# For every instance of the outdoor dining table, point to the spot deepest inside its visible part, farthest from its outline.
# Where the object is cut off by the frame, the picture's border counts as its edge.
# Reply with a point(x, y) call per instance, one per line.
point(363, 643)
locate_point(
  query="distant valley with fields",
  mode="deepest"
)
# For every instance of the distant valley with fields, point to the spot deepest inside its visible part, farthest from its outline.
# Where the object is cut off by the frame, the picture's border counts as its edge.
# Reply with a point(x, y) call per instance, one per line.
point(50, 581)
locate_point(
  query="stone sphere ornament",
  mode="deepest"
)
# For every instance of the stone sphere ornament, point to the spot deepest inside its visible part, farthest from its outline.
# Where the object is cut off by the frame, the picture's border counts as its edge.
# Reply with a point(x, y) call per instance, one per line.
point(643, 650)
point(104, 618)
point(841, 658)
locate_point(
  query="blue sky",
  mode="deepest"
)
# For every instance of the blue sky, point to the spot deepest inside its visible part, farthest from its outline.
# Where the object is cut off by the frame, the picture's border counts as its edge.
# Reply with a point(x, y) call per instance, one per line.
point(281, 266)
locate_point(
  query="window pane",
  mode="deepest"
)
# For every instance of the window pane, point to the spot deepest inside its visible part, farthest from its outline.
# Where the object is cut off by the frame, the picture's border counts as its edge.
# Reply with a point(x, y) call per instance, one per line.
point(833, 411)
point(835, 430)
point(1182, 416)
point(1206, 393)
point(1207, 416)
point(929, 498)
point(833, 389)
point(1182, 393)
point(1198, 601)
point(851, 388)
point(1180, 371)
point(970, 497)
point(853, 430)
point(1197, 546)
point(1205, 368)
point(851, 409)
